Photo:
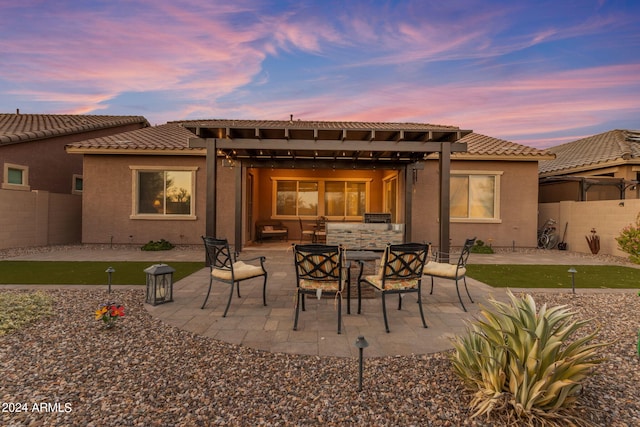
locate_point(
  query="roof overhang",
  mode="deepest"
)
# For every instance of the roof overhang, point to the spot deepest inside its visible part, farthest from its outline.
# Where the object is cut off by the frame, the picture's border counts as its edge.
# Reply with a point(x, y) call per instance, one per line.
point(391, 144)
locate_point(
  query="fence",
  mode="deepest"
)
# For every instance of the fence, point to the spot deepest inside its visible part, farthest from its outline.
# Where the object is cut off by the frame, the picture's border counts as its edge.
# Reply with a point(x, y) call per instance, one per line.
point(39, 218)
point(607, 217)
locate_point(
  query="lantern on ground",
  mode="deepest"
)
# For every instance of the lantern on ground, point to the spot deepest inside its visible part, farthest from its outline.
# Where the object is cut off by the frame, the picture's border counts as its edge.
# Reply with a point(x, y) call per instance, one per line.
point(159, 284)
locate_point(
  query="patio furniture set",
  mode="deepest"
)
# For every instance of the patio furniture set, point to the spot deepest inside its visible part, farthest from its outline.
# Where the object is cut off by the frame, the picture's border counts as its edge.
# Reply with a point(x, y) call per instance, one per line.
point(324, 270)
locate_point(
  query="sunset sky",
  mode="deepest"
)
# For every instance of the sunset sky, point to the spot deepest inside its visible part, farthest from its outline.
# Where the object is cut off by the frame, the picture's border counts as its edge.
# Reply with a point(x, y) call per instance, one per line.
point(535, 72)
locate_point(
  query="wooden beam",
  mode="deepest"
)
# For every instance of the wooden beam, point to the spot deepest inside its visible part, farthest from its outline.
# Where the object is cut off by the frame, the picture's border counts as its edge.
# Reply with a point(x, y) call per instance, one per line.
point(445, 192)
point(335, 145)
point(210, 212)
point(408, 202)
point(238, 209)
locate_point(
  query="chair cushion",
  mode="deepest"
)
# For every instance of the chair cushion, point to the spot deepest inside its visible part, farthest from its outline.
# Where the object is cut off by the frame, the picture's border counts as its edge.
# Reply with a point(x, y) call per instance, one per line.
point(325, 285)
point(241, 271)
point(441, 269)
point(376, 281)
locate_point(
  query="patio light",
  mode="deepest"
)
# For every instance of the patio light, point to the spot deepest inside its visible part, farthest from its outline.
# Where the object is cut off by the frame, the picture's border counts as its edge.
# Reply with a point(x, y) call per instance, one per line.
point(159, 284)
point(109, 271)
point(573, 272)
point(361, 343)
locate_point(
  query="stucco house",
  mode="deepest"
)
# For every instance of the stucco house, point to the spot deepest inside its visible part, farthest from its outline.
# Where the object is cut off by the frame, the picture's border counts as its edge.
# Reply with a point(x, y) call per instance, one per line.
point(184, 179)
point(605, 166)
point(40, 184)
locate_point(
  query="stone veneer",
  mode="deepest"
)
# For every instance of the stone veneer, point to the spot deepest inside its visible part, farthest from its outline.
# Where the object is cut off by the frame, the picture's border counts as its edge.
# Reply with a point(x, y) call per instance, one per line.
point(364, 236)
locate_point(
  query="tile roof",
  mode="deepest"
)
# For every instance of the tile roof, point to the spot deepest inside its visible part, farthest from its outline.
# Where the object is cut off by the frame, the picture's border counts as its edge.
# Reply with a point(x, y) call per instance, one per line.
point(482, 145)
point(594, 152)
point(28, 127)
point(170, 136)
point(174, 136)
point(310, 124)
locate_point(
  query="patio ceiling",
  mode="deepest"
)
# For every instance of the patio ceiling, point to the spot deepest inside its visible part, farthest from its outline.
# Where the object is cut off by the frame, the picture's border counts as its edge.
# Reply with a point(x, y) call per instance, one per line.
point(334, 141)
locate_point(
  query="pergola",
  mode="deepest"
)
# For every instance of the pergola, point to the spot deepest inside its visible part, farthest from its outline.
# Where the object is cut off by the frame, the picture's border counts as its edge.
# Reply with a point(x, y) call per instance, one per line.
point(323, 144)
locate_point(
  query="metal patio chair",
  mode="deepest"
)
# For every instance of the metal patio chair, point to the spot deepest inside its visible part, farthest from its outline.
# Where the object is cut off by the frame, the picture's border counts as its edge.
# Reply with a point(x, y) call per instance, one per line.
point(310, 232)
point(455, 272)
point(319, 269)
point(225, 269)
point(400, 272)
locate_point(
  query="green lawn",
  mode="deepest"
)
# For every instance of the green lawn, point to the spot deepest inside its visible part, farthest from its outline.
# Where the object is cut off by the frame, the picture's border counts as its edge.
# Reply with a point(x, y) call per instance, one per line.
point(84, 273)
point(555, 276)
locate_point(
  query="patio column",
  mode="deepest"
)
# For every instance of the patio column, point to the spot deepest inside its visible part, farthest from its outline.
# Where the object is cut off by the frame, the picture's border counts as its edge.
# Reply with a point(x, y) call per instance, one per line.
point(210, 220)
point(444, 160)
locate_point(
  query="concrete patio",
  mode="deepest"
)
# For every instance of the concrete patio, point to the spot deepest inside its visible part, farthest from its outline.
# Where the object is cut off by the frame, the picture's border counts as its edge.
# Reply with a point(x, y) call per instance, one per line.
point(269, 328)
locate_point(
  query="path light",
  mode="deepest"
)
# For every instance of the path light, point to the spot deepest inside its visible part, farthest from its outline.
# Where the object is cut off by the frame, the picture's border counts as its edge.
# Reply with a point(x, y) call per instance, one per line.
point(159, 284)
point(109, 271)
point(361, 343)
point(573, 272)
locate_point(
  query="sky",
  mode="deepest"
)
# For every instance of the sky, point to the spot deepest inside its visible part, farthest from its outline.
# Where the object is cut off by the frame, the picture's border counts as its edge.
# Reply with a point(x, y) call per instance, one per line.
point(534, 72)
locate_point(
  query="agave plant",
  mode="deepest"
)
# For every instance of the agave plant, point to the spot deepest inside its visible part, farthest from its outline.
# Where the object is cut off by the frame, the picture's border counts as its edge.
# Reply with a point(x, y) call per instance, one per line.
point(521, 362)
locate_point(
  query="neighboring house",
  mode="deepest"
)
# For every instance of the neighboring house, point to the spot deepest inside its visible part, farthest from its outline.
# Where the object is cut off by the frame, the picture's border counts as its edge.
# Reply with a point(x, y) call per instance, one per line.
point(181, 180)
point(40, 184)
point(600, 167)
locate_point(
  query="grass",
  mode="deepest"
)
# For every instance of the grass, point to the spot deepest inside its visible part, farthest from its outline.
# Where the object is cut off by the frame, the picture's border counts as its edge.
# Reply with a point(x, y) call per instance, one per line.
point(84, 272)
point(555, 276)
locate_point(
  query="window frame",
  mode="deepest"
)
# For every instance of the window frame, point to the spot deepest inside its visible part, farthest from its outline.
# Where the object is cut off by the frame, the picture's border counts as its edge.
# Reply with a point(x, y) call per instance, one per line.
point(6, 185)
point(496, 175)
point(321, 198)
point(74, 180)
point(135, 171)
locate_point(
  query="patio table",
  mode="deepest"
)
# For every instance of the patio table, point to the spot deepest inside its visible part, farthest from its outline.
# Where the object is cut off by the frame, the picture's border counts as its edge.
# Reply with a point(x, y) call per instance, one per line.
point(361, 256)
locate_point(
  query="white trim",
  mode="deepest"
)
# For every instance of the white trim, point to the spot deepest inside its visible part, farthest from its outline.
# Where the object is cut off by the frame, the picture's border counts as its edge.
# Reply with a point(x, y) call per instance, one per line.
point(6, 185)
point(497, 218)
point(321, 210)
point(136, 169)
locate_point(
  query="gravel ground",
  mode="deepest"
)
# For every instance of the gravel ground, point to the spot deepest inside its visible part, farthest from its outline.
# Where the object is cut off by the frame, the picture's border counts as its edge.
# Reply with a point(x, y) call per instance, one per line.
point(145, 373)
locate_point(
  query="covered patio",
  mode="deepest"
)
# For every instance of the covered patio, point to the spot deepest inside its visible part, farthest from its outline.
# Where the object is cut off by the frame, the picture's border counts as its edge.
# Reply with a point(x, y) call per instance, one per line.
point(234, 147)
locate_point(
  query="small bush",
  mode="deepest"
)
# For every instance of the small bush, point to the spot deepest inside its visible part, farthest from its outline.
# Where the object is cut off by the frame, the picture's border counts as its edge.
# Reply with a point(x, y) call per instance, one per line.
point(629, 240)
point(520, 363)
point(480, 248)
point(161, 245)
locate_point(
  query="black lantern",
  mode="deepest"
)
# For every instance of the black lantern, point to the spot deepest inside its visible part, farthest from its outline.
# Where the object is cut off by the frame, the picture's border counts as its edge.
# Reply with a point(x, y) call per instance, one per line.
point(159, 284)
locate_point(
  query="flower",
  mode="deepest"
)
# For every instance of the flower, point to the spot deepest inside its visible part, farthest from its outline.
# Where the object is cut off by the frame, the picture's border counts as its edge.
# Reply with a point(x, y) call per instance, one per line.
point(109, 313)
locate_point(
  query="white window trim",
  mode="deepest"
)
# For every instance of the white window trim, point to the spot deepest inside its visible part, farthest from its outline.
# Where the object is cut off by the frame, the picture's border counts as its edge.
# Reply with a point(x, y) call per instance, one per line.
point(25, 178)
point(321, 207)
point(161, 217)
point(497, 219)
point(74, 178)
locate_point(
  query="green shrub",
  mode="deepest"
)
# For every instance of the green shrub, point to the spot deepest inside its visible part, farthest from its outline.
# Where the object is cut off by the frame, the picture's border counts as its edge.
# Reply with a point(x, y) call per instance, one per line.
point(520, 363)
point(629, 240)
point(480, 248)
point(161, 245)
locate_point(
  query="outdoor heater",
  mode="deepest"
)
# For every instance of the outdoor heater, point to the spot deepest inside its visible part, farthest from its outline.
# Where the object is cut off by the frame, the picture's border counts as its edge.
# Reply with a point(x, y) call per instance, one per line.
point(159, 284)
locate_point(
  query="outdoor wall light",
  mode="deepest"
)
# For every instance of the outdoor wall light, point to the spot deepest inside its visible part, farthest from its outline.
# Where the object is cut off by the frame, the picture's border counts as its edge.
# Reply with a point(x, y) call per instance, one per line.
point(573, 272)
point(361, 344)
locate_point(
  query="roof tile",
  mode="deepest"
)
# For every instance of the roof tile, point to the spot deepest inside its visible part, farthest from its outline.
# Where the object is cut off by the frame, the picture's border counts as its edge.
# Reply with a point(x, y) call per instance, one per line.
point(594, 150)
point(28, 127)
point(478, 144)
point(170, 136)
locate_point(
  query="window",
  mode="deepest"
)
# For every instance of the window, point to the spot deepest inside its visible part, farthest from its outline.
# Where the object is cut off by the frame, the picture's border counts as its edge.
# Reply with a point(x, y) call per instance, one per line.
point(475, 195)
point(162, 193)
point(343, 199)
point(76, 184)
point(16, 177)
